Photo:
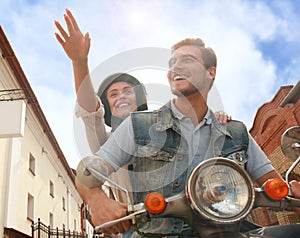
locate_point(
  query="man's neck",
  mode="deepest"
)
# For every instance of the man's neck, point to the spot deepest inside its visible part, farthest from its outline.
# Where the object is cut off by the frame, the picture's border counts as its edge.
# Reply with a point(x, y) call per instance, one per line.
point(193, 107)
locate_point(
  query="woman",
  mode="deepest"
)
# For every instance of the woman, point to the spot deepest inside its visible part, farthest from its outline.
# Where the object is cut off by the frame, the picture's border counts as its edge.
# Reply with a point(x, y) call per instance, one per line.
point(76, 45)
point(115, 93)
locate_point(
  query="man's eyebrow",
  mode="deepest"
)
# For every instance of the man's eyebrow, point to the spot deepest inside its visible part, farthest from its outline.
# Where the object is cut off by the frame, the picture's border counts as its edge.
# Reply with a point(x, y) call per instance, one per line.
point(190, 56)
point(183, 56)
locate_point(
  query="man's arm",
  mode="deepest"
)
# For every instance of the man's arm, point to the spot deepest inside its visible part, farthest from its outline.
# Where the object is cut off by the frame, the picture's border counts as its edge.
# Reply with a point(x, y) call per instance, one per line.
point(259, 166)
point(103, 208)
point(270, 175)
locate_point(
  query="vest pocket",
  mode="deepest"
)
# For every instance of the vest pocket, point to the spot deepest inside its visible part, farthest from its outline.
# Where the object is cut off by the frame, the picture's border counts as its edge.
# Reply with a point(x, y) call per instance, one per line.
point(240, 156)
point(156, 152)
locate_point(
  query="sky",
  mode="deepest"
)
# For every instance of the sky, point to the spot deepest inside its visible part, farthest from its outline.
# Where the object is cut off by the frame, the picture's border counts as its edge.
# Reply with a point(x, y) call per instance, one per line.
point(256, 42)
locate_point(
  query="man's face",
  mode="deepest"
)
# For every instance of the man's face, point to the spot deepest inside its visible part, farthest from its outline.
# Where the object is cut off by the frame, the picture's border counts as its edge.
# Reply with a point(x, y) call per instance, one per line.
point(187, 74)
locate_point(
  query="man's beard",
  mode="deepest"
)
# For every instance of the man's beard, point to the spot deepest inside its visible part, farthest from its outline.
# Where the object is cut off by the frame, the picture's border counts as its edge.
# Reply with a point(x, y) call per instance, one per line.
point(185, 92)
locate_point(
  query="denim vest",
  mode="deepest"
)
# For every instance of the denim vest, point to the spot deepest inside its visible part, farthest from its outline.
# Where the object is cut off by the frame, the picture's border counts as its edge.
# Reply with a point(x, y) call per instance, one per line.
point(161, 161)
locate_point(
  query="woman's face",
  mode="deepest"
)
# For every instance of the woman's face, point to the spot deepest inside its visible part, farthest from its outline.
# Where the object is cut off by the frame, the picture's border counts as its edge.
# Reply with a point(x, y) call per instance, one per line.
point(121, 98)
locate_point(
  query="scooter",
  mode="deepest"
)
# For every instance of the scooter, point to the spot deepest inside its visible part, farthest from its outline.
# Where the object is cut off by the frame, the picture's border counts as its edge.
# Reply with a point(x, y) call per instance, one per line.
point(219, 195)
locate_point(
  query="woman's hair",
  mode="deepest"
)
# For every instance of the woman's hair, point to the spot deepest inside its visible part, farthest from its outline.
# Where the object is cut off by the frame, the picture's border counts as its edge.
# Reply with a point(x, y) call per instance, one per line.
point(139, 89)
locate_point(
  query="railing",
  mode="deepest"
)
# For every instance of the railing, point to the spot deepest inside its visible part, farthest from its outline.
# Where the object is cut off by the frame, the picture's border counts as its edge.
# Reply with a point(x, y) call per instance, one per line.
point(40, 230)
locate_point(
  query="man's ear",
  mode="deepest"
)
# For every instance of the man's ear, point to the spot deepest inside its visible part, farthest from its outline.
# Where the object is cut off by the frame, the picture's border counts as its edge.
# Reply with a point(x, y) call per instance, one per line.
point(169, 75)
point(212, 72)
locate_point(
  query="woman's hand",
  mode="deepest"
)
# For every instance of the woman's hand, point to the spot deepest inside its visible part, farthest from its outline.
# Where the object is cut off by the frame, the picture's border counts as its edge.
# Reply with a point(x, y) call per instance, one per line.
point(75, 44)
point(222, 117)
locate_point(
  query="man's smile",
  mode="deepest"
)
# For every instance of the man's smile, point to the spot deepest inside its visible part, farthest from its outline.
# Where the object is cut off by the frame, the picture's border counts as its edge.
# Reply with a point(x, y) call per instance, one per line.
point(178, 77)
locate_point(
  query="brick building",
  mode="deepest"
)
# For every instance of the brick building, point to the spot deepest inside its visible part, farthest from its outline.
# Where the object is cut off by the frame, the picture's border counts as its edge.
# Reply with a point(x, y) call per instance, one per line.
point(271, 121)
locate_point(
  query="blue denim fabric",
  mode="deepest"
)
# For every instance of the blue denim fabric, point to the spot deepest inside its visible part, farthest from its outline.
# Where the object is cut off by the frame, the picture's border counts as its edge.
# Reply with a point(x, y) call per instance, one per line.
point(162, 163)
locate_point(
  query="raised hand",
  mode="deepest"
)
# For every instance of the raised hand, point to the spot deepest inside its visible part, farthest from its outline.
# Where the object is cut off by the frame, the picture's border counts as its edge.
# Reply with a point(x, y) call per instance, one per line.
point(75, 44)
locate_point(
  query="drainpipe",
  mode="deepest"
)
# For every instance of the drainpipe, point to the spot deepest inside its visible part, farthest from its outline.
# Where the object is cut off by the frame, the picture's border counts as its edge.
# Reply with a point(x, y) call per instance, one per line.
point(69, 209)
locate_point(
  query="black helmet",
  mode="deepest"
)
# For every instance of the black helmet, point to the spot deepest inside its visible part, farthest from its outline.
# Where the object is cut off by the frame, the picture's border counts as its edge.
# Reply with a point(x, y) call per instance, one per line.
point(139, 89)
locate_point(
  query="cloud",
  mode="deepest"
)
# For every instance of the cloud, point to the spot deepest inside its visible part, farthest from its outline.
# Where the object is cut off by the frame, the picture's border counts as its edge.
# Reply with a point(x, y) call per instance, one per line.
point(58, 109)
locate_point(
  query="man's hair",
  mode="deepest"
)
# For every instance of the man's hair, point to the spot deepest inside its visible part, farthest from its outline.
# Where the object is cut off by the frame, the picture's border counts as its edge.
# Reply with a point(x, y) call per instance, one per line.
point(208, 54)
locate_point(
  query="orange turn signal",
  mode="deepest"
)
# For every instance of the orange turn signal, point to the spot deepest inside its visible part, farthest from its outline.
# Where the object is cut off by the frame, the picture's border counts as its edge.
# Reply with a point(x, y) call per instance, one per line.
point(276, 189)
point(155, 203)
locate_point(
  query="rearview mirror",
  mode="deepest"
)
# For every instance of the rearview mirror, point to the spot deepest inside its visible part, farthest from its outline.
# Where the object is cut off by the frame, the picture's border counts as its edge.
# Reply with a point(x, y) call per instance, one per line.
point(290, 143)
point(290, 146)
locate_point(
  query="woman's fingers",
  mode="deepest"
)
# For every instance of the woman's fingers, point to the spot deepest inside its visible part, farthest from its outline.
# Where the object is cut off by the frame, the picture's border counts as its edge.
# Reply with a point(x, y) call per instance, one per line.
point(60, 40)
point(73, 20)
point(69, 24)
point(61, 30)
point(223, 117)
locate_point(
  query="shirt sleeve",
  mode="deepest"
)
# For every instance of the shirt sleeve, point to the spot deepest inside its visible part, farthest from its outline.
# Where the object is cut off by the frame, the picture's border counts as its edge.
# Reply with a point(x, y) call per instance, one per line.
point(94, 126)
point(120, 147)
point(258, 163)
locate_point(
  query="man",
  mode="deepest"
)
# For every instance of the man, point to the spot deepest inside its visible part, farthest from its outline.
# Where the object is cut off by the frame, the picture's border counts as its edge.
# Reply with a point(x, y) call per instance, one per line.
point(163, 146)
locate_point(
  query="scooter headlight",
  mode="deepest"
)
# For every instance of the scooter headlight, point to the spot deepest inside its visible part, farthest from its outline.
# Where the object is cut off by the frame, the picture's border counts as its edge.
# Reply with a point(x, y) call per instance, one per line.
point(220, 190)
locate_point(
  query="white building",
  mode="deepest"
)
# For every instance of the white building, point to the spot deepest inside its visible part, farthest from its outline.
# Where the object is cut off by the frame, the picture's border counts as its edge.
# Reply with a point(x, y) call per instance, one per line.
point(35, 179)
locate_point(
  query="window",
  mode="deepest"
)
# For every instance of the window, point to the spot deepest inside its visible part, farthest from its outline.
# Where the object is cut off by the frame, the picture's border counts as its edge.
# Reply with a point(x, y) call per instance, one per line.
point(32, 164)
point(51, 189)
point(30, 207)
point(75, 227)
point(51, 220)
point(63, 203)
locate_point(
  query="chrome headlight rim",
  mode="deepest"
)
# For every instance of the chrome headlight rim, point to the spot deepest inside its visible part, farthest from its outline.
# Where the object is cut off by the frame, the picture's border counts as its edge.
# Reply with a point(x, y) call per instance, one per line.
point(190, 193)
